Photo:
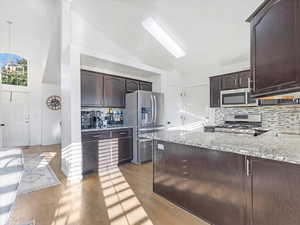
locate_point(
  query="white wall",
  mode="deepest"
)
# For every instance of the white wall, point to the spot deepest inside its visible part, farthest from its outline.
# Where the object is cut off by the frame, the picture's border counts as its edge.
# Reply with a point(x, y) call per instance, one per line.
point(31, 34)
point(51, 128)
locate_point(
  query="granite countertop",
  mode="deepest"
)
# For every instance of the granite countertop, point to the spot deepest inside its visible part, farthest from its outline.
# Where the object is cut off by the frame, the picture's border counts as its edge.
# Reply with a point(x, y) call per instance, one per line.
point(282, 147)
point(114, 127)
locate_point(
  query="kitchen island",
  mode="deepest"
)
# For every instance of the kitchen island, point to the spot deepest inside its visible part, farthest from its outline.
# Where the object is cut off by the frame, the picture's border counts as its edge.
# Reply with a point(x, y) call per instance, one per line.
point(230, 179)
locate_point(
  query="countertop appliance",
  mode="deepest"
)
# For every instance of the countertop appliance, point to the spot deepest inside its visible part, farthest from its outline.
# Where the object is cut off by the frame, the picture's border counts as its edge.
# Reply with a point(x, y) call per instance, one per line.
point(145, 111)
point(240, 124)
point(238, 98)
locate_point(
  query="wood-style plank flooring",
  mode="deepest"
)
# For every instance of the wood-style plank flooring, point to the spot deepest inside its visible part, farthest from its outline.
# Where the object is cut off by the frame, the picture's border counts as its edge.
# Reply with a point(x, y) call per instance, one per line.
point(122, 197)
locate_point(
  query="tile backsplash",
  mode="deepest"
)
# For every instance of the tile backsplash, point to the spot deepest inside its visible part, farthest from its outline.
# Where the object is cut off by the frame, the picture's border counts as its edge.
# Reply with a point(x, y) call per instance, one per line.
point(285, 117)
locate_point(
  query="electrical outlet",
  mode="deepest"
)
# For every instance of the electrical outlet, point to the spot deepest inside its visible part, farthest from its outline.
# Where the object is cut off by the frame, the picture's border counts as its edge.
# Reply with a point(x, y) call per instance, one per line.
point(161, 147)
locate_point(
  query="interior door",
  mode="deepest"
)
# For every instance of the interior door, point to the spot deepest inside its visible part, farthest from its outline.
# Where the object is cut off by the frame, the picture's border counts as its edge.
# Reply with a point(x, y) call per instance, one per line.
point(15, 116)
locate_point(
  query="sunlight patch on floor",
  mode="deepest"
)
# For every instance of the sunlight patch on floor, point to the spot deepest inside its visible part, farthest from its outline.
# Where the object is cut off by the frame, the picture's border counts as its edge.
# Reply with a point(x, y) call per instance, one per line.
point(123, 207)
point(69, 206)
point(47, 157)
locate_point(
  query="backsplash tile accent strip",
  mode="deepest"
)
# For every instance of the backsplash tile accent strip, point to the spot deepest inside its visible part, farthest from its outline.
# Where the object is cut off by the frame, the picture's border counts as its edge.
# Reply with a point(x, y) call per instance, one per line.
point(285, 118)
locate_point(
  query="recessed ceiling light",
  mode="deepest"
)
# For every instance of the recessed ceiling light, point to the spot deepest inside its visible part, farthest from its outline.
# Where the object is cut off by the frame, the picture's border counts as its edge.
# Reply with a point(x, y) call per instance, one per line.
point(163, 38)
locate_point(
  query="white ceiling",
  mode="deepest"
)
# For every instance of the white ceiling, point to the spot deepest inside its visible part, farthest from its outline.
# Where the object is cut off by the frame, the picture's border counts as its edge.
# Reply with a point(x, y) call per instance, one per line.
point(212, 32)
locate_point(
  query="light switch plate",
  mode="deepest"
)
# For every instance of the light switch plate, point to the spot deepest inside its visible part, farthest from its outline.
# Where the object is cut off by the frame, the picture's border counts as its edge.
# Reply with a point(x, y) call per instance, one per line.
point(160, 146)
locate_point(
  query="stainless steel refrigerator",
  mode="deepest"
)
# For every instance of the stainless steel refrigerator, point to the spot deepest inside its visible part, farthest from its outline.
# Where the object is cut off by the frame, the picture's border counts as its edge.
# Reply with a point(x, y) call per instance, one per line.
point(145, 111)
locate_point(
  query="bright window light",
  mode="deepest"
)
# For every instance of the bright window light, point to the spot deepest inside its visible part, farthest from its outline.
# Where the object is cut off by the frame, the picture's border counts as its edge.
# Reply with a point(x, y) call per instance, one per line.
point(163, 38)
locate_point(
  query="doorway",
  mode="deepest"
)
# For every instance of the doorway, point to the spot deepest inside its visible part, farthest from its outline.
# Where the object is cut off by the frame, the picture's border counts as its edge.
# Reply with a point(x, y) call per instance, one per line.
point(15, 115)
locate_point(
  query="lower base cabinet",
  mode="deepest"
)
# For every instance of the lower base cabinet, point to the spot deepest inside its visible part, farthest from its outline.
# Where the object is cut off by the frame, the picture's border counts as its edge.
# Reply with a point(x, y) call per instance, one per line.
point(226, 188)
point(89, 157)
point(217, 187)
point(275, 192)
point(125, 146)
point(103, 150)
point(207, 183)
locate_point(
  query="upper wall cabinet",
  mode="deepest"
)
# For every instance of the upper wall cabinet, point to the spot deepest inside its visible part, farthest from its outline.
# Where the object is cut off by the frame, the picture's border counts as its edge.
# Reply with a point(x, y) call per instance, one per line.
point(91, 89)
point(114, 92)
point(275, 47)
point(215, 91)
point(104, 90)
point(145, 86)
point(132, 85)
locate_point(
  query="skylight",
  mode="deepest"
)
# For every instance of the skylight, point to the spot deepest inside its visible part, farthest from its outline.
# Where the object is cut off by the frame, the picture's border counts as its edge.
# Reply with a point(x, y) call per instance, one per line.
point(163, 38)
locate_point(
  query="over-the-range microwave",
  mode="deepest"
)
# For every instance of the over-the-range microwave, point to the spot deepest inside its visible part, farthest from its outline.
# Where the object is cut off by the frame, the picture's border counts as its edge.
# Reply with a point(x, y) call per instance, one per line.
point(237, 98)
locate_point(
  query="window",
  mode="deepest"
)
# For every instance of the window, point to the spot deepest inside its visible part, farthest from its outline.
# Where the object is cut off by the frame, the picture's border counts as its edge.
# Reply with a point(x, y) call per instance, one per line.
point(13, 69)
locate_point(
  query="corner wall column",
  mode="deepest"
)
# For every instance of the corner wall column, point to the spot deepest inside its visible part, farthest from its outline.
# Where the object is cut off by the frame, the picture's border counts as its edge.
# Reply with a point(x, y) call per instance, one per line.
point(71, 151)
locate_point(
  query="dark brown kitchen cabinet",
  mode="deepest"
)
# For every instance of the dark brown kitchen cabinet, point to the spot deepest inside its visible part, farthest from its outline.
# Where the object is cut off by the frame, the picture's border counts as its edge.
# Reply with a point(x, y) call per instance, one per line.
point(244, 79)
point(132, 85)
point(91, 89)
point(124, 144)
point(89, 157)
point(208, 183)
point(146, 86)
point(218, 189)
point(215, 91)
point(103, 148)
point(114, 92)
point(94, 144)
point(275, 192)
point(159, 171)
point(230, 81)
point(275, 54)
point(103, 90)
point(172, 172)
point(125, 149)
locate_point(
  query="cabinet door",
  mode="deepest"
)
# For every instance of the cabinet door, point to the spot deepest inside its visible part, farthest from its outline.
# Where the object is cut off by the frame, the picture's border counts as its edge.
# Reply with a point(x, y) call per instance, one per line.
point(218, 189)
point(230, 81)
point(215, 88)
point(275, 46)
point(125, 149)
point(160, 175)
point(275, 192)
point(145, 86)
point(132, 86)
point(89, 157)
point(91, 89)
point(114, 92)
point(244, 79)
point(171, 172)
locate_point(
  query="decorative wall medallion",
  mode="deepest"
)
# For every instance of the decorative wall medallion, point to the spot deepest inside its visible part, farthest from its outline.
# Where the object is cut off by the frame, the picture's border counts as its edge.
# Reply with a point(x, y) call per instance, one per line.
point(54, 102)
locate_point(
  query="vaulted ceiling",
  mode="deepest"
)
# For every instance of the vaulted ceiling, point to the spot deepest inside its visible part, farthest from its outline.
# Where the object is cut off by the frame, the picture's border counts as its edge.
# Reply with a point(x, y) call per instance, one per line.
point(212, 32)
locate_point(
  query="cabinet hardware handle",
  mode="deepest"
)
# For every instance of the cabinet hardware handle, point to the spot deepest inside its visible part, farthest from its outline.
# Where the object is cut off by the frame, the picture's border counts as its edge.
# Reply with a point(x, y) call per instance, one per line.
point(98, 136)
point(248, 172)
point(121, 133)
point(184, 160)
point(249, 83)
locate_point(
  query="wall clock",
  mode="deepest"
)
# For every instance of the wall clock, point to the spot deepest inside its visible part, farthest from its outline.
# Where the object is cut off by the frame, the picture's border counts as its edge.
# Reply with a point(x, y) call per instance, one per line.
point(54, 102)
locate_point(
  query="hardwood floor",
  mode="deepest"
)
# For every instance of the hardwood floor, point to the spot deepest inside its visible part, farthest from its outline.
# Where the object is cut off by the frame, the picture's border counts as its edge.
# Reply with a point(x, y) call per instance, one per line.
point(122, 197)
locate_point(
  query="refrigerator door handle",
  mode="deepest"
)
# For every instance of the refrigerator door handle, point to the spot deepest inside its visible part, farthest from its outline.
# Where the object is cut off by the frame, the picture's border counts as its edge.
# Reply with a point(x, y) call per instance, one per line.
point(152, 109)
point(155, 109)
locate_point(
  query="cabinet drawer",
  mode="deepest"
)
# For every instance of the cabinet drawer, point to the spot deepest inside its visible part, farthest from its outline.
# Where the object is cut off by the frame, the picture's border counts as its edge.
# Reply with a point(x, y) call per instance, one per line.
point(121, 133)
point(91, 136)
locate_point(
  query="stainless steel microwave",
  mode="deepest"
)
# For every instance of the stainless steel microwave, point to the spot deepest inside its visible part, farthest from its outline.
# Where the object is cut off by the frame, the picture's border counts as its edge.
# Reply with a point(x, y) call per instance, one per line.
point(237, 98)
